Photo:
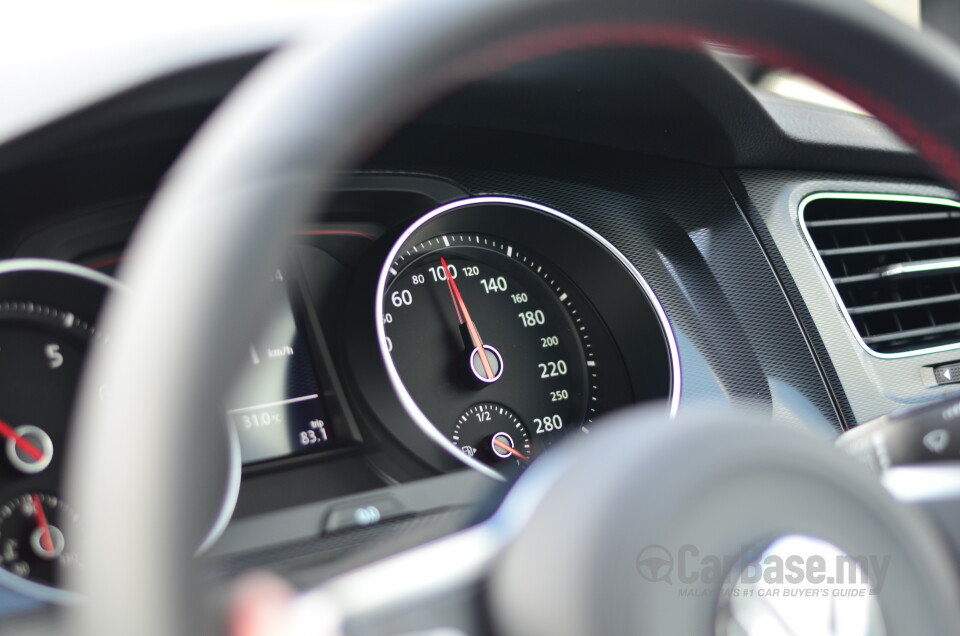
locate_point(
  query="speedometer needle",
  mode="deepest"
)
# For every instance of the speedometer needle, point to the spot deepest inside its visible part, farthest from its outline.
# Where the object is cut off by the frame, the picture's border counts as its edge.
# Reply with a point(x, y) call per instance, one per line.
point(22, 443)
point(46, 541)
point(510, 449)
point(463, 315)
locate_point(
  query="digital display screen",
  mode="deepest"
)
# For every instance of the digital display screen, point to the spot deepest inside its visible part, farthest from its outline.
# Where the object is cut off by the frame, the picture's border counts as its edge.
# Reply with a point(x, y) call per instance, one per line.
point(276, 404)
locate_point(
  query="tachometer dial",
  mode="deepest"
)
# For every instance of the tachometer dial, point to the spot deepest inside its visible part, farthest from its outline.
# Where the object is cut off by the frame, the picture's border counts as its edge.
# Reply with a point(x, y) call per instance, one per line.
point(47, 315)
point(42, 348)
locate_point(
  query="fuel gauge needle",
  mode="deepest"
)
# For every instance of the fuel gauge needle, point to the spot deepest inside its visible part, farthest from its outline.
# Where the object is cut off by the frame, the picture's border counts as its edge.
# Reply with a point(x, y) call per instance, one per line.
point(46, 541)
point(21, 442)
point(463, 315)
point(510, 449)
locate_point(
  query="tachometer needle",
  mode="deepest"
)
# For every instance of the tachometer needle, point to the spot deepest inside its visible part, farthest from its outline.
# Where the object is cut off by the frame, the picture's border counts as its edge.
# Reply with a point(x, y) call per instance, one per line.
point(463, 315)
point(46, 541)
point(510, 449)
point(22, 443)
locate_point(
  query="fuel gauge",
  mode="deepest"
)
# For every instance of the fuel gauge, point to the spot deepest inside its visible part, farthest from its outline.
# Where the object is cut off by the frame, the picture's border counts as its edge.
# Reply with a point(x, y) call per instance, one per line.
point(493, 434)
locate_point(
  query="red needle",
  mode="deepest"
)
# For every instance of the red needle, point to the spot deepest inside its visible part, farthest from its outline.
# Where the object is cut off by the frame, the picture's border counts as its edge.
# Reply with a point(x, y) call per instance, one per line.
point(464, 316)
point(20, 441)
point(46, 541)
point(510, 449)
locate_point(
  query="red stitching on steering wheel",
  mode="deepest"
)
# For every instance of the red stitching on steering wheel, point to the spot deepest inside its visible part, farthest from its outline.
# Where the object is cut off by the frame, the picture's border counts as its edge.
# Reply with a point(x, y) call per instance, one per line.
point(930, 146)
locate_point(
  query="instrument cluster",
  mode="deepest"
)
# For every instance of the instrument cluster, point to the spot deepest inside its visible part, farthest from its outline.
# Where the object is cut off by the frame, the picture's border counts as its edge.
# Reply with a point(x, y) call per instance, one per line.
point(476, 333)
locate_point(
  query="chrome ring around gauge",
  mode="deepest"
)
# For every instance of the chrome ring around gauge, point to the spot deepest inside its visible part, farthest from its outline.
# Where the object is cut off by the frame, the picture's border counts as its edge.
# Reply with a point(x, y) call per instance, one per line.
point(474, 308)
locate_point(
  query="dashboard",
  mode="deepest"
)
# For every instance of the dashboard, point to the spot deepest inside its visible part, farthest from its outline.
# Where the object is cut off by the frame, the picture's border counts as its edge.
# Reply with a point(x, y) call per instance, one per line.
point(538, 250)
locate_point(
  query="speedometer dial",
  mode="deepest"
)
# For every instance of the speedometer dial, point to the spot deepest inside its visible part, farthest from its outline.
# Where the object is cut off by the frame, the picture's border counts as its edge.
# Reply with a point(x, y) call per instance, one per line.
point(494, 349)
point(473, 317)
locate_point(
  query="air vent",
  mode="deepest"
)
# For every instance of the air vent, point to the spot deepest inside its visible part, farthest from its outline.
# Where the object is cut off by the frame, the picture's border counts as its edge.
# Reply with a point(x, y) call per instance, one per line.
point(895, 266)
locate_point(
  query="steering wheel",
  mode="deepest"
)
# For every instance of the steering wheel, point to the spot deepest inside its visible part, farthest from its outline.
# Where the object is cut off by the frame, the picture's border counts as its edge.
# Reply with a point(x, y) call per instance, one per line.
point(261, 164)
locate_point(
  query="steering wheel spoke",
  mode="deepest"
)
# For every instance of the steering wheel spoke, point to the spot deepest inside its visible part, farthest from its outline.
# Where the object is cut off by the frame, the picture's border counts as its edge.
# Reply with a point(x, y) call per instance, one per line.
point(435, 589)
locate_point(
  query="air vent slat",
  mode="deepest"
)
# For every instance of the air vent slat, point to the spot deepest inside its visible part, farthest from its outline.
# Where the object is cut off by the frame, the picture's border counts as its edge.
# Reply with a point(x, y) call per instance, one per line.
point(890, 247)
point(877, 220)
point(894, 263)
point(931, 267)
point(903, 304)
point(914, 333)
point(846, 280)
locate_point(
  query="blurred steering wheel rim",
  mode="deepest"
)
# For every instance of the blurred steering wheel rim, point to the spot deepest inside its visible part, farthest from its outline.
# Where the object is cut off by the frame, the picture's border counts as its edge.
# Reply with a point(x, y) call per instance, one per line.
point(261, 164)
